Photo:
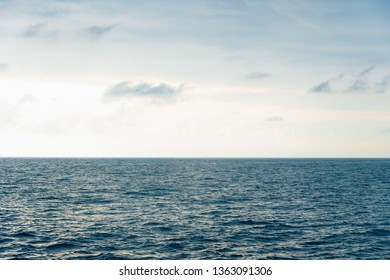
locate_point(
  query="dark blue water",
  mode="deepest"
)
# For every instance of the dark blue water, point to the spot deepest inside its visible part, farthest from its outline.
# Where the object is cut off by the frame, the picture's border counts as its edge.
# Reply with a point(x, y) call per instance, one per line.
point(194, 209)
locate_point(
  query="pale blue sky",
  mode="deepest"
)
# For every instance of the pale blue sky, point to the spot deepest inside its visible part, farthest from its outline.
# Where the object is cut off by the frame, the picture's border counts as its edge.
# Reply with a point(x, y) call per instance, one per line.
point(195, 78)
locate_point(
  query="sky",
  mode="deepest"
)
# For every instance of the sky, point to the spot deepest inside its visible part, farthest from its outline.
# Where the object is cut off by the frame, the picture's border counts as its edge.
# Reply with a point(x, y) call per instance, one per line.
point(243, 78)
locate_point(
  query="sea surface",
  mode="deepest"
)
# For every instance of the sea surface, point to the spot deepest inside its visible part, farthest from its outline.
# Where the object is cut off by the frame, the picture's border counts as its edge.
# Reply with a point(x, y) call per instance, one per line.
point(194, 208)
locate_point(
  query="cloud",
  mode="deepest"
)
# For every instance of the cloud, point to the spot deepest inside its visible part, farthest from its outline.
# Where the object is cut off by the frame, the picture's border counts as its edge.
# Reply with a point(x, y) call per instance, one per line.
point(257, 75)
point(39, 30)
point(3, 67)
point(365, 72)
point(274, 119)
point(387, 130)
point(95, 32)
point(363, 82)
point(383, 85)
point(322, 87)
point(359, 85)
point(325, 87)
point(161, 91)
point(34, 30)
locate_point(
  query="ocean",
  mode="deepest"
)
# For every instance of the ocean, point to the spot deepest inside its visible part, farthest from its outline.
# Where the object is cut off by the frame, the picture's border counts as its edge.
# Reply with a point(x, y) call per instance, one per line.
point(310, 209)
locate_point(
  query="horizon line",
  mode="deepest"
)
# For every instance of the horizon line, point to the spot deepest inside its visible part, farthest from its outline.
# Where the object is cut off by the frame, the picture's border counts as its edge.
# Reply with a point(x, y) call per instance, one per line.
point(176, 157)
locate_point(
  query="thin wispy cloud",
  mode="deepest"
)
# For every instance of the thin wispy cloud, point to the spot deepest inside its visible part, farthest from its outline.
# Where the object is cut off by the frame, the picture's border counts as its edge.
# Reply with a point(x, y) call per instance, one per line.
point(159, 91)
point(364, 82)
point(34, 30)
point(365, 72)
point(257, 75)
point(39, 30)
point(361, 84)
point(97, 31)
point(383, 85)
point(325, 87)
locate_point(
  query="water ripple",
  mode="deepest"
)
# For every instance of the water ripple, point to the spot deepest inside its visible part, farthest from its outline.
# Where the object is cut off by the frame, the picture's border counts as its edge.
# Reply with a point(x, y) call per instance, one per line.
point(194, 209)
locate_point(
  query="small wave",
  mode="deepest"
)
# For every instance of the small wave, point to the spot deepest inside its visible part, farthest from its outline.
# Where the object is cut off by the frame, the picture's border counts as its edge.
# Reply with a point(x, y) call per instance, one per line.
point(175, 246)
point(99, 235)
point(166, 228)
point(316, 243)
point(110, 256)
point(24, 234)
point(277, 257)
point(208, 178)
point(60, 246)
point(64, 179)
point(5, 240)
point(379, 232)
point(48, 198)
point(252, 222)
point(235, 256)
